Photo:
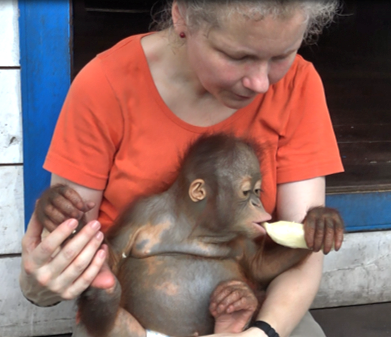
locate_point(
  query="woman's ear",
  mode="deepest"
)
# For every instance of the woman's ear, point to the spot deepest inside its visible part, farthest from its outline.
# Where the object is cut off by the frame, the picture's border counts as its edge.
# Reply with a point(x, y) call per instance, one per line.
point(197, 190)
point(178, 20)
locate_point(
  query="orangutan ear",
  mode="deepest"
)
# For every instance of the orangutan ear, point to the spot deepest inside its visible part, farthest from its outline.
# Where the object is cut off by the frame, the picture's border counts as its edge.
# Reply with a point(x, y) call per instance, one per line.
point(197, 190)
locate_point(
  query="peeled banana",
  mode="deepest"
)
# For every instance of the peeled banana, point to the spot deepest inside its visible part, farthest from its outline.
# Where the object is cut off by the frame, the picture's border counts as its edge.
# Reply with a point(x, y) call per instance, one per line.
point(286, 233)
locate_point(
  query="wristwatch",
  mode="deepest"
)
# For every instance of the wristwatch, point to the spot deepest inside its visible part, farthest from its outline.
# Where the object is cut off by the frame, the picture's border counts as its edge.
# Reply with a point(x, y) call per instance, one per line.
point(265, 327)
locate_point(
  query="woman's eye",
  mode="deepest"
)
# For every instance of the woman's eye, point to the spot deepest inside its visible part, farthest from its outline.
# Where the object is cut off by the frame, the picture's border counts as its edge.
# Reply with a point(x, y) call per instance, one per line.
point(234, 58)
point(281, 57)
point(237, 58)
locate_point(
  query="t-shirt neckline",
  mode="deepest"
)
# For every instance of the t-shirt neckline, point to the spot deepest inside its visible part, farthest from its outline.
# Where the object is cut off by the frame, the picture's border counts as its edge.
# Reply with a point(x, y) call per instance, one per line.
point(167, 111)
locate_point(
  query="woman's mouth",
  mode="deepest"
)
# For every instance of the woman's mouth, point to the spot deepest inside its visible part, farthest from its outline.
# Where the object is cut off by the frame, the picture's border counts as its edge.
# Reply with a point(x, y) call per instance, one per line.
point(243, 97)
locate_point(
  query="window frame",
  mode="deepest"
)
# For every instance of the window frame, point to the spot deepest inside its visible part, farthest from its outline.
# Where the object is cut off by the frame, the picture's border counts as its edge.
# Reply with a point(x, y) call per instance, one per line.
point(45, 59)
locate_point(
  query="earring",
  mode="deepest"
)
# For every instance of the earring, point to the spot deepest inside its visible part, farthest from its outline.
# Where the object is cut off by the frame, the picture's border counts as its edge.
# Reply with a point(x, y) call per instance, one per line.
point(182, 35)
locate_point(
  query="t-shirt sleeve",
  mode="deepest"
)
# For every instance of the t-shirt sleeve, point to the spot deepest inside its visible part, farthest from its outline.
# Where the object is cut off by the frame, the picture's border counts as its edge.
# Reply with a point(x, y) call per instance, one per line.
point(88, 131)
point(307, 144)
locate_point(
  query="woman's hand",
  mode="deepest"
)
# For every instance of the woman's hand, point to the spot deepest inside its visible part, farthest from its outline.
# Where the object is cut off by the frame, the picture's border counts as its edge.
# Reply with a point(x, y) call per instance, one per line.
point(51, 273)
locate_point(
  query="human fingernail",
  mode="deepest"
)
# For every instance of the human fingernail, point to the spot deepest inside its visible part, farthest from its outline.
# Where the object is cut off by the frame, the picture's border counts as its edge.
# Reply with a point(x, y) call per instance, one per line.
point(95, 225)
point(99, 235)
point(102, 254)
point(72, 223)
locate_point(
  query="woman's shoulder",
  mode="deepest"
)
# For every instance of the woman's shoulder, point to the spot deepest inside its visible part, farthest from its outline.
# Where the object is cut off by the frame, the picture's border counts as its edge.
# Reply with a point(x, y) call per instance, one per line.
point(116, 70)
point(301, 74)
point(123, 58)
point(300, 63)
point(123, 50)
point(300, 69)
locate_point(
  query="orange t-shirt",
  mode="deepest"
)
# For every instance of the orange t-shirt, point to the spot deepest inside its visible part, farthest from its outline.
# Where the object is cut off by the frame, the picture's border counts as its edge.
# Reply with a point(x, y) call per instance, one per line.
point(116, 134)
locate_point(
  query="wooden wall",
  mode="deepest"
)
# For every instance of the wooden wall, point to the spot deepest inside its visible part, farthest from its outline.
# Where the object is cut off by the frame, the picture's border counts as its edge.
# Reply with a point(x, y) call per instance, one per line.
point(17, 316)
point(11, 157)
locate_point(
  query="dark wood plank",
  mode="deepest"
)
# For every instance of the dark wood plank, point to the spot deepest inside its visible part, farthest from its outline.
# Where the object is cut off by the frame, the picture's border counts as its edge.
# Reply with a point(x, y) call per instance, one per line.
point(353, 59)
point(364, 133)
point(94, 32)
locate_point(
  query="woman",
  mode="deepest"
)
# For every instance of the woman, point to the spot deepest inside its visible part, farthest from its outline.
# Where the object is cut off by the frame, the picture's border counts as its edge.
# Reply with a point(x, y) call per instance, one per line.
point(221, 66)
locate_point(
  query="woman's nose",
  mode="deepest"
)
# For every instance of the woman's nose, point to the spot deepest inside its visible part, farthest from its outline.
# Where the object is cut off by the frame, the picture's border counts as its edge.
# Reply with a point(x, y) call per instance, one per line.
point(257, 78)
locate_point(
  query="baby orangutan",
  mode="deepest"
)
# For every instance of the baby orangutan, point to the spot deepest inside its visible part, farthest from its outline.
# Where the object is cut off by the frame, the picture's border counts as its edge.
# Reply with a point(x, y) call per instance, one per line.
point(186, 257)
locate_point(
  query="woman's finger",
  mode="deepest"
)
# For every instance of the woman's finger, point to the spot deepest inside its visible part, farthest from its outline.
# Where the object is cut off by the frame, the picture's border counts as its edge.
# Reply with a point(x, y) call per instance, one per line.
point(32, 237)
point(84, 260)
point(42, 254)
point(87, 237)
point(97, 270)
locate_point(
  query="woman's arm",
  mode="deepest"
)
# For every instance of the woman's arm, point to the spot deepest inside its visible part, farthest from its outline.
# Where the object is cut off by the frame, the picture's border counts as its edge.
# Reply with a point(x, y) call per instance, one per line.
point(87, 194)
point(290, 295)
point(51, 273)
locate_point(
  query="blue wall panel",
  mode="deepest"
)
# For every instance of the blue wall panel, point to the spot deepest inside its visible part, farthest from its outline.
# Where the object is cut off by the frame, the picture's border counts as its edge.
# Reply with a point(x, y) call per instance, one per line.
point(363, 211)
point(45, 75)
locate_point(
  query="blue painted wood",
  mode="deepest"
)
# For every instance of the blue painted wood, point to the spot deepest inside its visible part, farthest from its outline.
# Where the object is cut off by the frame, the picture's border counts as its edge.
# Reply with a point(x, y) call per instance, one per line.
point(45, 76)
point(363, 211)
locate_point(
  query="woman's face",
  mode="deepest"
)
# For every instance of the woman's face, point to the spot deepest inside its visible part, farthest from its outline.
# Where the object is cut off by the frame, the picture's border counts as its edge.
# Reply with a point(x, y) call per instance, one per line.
point(243, 57)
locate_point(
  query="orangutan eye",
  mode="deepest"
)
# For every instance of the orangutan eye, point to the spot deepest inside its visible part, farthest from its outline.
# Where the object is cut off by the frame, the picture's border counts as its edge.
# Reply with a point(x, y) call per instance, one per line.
point(257, 188)
point(245, 188)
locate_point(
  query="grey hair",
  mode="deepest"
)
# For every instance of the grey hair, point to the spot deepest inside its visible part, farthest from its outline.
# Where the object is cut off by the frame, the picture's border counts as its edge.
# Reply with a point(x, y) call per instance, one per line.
point(317, 13)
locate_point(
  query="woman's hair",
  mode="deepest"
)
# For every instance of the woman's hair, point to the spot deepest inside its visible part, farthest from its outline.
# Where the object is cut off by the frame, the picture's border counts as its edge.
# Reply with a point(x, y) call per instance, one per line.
point(317, 13)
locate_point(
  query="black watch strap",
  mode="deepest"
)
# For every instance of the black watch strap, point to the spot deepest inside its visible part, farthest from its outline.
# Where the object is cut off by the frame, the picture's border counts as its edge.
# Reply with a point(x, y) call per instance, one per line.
point(266, 328)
